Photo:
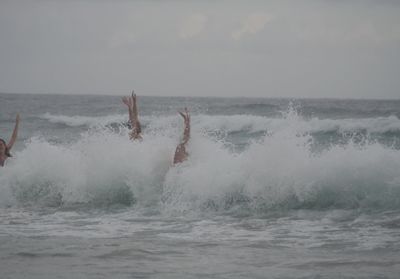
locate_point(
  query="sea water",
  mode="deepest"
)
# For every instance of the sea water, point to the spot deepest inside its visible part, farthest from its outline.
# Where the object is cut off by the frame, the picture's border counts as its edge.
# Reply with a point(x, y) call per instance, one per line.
point(273, 188)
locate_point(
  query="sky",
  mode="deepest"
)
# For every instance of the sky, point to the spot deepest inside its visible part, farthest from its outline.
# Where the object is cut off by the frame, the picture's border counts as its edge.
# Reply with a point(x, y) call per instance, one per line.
point(225, 48)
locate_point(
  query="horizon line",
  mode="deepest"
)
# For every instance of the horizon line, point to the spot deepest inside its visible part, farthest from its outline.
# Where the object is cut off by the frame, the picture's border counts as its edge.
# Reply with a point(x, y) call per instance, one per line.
point(209, 96)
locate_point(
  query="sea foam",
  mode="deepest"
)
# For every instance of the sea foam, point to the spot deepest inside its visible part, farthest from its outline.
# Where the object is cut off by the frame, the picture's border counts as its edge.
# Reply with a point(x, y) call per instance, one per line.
point(242, 123)
point(278, 171)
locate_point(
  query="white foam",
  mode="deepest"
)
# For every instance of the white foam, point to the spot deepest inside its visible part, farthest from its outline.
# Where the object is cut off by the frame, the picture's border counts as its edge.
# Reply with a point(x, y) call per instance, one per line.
point(98, 163)
point(278, 170)
point(282, 171)
point(241, 123)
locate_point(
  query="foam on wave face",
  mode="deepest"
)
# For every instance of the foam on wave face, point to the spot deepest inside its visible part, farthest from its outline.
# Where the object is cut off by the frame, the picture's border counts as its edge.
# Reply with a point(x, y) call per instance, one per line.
point(101, 168)
point(278, 171)
point(281, 172)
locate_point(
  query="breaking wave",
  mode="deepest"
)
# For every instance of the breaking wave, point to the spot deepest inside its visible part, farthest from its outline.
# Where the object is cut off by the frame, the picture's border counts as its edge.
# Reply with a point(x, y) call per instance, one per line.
point(278, 171)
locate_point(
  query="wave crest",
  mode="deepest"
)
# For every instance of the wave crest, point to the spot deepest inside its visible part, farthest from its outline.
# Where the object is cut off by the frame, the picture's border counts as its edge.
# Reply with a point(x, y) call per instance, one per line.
point(244, 123)
point(278, 171)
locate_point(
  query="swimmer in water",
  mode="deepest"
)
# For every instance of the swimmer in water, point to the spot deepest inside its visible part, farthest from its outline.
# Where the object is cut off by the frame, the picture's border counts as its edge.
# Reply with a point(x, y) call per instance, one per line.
point(130, 102)
point(6, 147)
point(180, 152)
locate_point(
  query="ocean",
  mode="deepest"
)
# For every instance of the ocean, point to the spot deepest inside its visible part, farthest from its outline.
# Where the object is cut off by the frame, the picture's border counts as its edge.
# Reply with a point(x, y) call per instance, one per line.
point(273, 188)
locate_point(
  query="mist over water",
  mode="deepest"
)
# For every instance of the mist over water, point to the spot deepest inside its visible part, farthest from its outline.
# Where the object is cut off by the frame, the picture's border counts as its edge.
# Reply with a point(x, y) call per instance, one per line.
point(311, 174)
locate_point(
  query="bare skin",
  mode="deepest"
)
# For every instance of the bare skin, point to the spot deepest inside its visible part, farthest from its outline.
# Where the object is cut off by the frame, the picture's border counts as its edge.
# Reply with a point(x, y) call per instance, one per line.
point(6, 147)
point(180, 152)
point(130, 102)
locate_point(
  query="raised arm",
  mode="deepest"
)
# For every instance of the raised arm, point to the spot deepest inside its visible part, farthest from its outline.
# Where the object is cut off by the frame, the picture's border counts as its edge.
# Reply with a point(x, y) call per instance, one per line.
point(135, 124)
point(14, 134)
point(134, 106)
point(186, 131)
point(180, 152)
point(130, 102)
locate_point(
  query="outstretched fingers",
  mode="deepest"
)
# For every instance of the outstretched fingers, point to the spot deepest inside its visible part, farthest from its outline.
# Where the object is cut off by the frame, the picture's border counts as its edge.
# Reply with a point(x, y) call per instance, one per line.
point(127, 101)
point(185, 114)
point(133, 97)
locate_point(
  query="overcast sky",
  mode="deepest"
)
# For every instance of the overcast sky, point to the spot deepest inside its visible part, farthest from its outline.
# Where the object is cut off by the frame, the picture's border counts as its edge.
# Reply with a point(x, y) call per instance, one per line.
point(345, 49)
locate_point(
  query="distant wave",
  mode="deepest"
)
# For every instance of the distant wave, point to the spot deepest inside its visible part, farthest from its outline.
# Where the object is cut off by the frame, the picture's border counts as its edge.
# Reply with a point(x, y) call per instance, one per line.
point(89, 121)
point(243, 123)
point(235, 123)
point(258, 108)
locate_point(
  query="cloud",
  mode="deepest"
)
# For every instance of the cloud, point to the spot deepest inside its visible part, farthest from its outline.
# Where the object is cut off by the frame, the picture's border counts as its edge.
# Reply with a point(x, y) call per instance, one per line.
point(252, 24)
point(193, 25)
point(122, 38)
point(295, 48)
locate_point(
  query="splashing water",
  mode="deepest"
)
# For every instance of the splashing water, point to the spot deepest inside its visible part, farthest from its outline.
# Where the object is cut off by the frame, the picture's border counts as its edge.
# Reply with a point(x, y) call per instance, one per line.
point(279, 170)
